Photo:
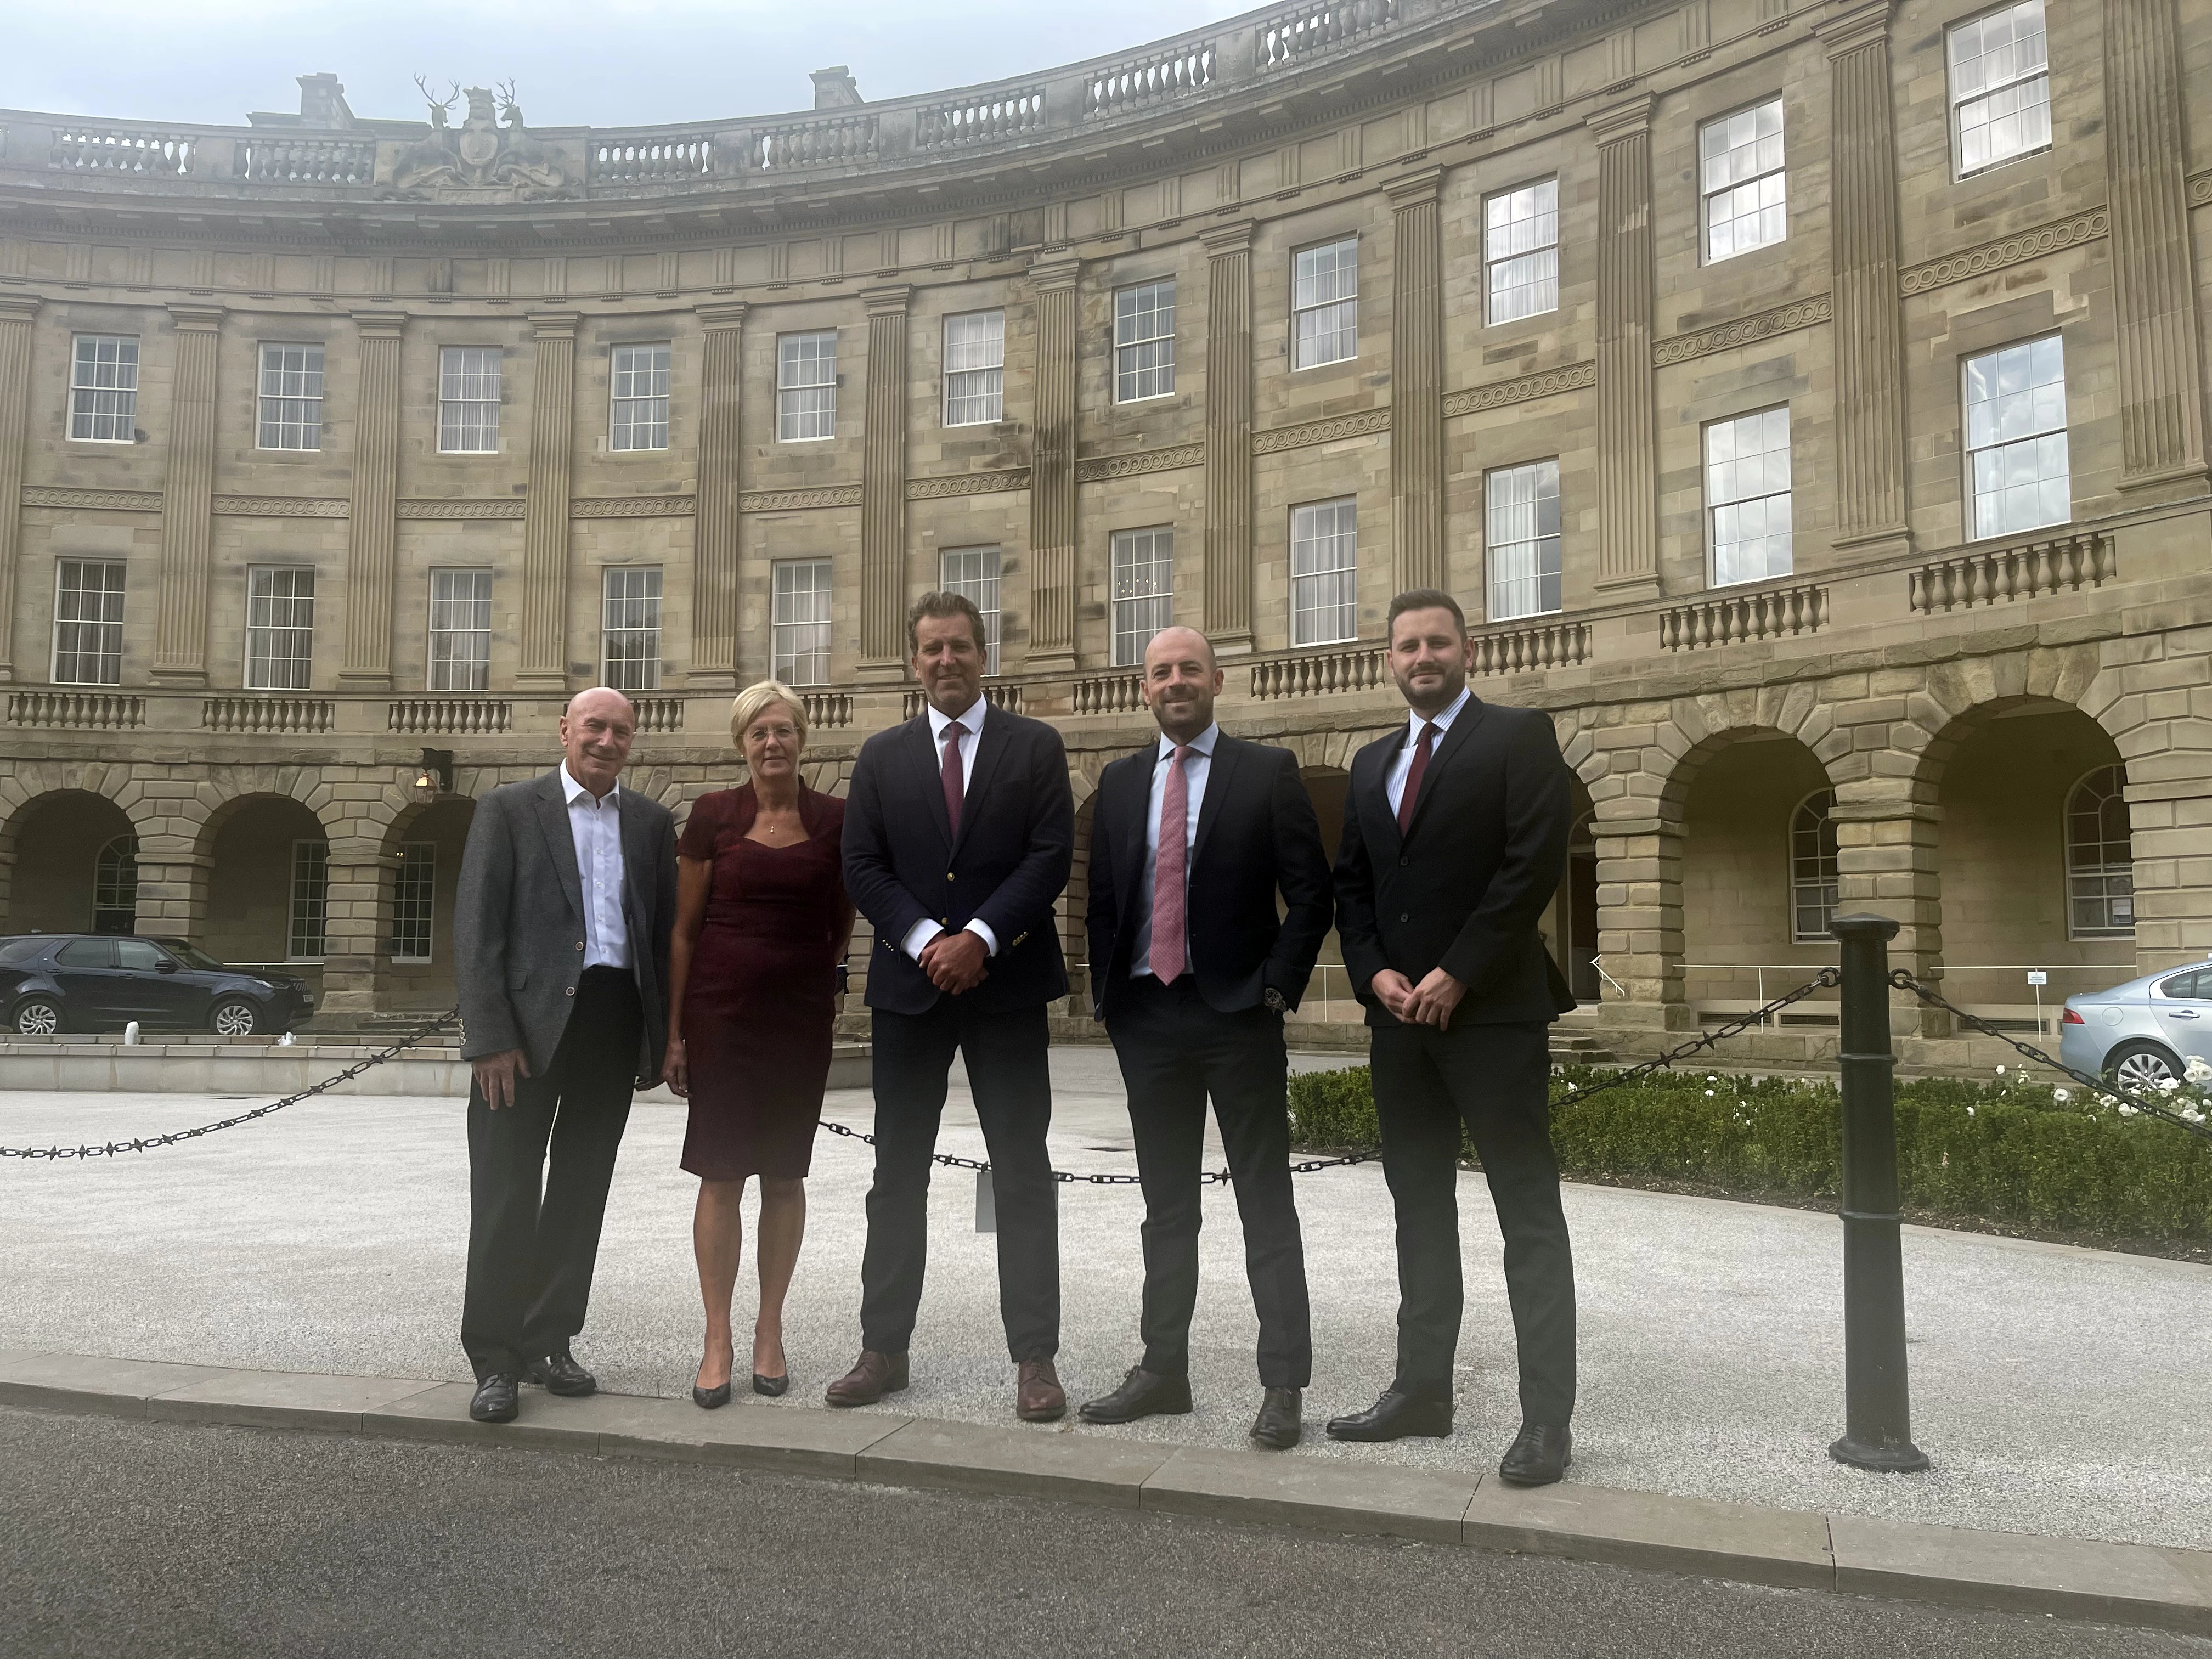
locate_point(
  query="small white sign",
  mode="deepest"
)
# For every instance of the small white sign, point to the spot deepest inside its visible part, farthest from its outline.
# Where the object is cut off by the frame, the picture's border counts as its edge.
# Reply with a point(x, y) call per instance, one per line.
point(2037, 976)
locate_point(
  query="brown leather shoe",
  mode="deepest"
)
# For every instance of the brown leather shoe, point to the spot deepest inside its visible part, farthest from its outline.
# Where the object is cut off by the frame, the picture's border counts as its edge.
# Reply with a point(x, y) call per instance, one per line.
point(1038, 1397)
point(872, 1376)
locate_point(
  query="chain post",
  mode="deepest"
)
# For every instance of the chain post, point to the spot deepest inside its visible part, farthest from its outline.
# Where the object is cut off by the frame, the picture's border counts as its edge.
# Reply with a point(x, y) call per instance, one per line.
point(1877, 1401)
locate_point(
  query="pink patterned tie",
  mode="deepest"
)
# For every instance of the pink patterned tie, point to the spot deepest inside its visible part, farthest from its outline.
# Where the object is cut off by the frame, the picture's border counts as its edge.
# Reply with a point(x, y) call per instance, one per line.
point(1170, 874)
point(956, 787)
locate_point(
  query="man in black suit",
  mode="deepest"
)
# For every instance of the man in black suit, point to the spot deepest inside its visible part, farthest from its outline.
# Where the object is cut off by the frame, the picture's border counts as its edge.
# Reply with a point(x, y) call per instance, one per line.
point(959, 827)
point(1456, 835)
point(568, 893)
point(1191, 838)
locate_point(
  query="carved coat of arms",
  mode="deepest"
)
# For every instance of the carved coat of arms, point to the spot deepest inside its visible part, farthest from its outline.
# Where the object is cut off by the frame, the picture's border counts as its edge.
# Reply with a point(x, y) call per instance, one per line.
point(487, 152)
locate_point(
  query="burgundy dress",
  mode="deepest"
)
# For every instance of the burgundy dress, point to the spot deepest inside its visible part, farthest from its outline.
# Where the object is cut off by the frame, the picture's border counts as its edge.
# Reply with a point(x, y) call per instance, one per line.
point(761, 994)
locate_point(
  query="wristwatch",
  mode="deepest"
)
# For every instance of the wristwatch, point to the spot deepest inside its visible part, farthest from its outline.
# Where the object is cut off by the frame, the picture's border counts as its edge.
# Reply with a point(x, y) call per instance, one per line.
point(1275, 1000)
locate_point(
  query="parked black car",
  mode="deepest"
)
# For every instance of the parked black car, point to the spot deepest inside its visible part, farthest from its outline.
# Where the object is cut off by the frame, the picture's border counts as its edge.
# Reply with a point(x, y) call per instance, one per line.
point(51, 983)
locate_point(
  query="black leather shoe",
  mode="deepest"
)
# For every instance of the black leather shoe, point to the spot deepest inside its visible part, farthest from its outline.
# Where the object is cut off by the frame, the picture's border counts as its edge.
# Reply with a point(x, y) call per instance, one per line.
point(494, 1401)
point(774, 1386)
point(1395, 1416)
point(1142, 1393)
point(559, 1373)
point(709, 1398)
point(1538, 1455)
point(1280, 1423)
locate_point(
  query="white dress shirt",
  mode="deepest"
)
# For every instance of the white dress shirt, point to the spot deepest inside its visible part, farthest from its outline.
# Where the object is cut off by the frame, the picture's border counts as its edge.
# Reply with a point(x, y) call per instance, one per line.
point(921, 932)
point(1196, 766)
point(595, 826)
point(1394, 784)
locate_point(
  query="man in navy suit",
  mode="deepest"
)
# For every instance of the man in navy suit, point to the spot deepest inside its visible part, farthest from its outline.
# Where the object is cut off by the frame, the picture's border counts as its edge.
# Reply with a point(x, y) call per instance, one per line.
point(959, 829)
point(1193, 969)
point(1456, 830)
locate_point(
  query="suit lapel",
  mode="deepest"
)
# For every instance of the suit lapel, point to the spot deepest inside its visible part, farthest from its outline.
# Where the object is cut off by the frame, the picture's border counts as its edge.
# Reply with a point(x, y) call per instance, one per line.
point(1132, 809)
point(560, 840)
point(1378, 781)
point(637, 852)
point(1454, 740)
point(924, 751)
point(1219, 770)
point(990, 746)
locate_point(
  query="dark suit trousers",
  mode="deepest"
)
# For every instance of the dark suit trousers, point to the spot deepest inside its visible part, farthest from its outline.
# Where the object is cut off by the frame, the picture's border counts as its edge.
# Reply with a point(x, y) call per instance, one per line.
point(1175, 1049)
point(1012, 1083)
point(1496, 1079)
point(534, 1233)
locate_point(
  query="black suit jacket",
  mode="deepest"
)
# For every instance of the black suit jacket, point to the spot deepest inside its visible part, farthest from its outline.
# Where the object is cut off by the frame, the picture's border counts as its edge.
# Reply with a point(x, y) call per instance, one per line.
point(1006, 867)
point(1465, 887)
point(1256, 835)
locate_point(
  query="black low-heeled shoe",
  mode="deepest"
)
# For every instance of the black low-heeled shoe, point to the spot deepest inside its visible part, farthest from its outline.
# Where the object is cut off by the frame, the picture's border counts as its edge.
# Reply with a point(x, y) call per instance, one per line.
point(772, 1387)
point(708, 1399)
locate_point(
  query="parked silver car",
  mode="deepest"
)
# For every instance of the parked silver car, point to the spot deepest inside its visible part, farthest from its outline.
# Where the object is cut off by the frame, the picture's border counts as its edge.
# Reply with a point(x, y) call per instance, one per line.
point(2143, 1032)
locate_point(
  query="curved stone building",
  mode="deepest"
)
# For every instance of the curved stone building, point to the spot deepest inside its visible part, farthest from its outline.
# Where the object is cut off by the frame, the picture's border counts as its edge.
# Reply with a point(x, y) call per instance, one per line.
point(1806, 403)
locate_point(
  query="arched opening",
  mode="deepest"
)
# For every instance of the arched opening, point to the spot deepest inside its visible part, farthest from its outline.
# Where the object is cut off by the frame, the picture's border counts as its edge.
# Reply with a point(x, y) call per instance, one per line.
point(268, 885)
point(2033, 861)
point(1328, 997)
point(75, 867)
point(422, 851)
point(1759, 875)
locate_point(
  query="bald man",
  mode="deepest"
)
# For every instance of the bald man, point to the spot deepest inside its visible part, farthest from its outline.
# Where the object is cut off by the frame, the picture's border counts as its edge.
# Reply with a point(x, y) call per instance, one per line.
point(561, 929)
point(1193, 969)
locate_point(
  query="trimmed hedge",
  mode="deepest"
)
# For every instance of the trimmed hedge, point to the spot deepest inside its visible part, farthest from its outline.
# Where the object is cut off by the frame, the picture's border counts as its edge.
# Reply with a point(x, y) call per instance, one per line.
point(2003, 1151)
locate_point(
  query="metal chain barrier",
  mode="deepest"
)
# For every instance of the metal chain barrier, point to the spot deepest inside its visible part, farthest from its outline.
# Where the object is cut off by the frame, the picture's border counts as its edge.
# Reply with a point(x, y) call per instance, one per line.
point(451, 1017)
point(1827, 980)
point(1904, 981)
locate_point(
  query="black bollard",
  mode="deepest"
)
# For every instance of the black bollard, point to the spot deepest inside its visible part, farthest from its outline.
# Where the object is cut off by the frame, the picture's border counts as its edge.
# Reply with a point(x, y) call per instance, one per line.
point(1877, 1403)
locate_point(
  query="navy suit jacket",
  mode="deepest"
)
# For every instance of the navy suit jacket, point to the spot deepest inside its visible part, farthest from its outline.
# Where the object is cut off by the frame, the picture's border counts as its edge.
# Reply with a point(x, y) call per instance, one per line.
point(1465, 887)
point(1006, 867)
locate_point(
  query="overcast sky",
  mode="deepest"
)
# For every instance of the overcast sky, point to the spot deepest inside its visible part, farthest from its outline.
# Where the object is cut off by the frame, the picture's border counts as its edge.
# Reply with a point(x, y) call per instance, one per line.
point(602, 62)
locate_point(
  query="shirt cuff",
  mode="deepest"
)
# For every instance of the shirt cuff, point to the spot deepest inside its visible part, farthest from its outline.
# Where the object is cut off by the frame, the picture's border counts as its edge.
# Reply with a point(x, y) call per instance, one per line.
point(919, 935)
point(981, 929)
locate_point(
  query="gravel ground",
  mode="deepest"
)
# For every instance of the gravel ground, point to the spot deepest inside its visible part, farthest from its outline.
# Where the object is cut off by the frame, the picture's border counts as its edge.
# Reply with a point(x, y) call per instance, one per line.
point(2051, 1385)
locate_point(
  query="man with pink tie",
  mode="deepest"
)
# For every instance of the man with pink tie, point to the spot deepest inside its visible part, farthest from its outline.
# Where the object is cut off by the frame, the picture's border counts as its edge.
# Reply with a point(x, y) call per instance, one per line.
point(1193, 969)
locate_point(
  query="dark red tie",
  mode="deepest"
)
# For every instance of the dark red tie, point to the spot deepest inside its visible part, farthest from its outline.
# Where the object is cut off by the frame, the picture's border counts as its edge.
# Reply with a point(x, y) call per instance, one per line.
point(1413, 775)
point(955, 788)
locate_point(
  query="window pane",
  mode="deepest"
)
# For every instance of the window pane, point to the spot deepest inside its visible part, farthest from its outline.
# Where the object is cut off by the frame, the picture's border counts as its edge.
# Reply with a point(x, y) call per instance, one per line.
point(1748, 500)
point(88, 622)
point(974, 367)
point(104, 388)
point(973, 572)
point(468, 400)
point(1740, 171)
point(806, 386)
point(1325, 298)
point(2000, 86)
point(280, 627)
point(310, 882)
point(798, 623)
point(640, 398)
point(1521, 516)
point(291, 398)
point(1814, 882)
point(414, 901)
point(1324, 572)
point(2017, 461)
point(1144, 342)
point(1143, 585)
point(460, 630)
point(630, 628)
point(2100, 858)
point(1521, 246)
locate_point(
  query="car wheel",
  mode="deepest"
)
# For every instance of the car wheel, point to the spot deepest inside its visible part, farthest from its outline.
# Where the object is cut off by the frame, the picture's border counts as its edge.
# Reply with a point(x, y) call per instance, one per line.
point(2143, 1066)
point(38, 1016)
point(235, 1018)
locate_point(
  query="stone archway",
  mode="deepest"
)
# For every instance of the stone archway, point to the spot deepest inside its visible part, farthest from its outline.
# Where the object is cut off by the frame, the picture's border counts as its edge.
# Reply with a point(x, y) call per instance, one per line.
point(68, 852)
point(421, 859)
point(267, 862)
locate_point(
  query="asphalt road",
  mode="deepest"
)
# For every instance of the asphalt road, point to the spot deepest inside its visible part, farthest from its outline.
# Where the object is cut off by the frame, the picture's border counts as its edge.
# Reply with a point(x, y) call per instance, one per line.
point(159, 1539)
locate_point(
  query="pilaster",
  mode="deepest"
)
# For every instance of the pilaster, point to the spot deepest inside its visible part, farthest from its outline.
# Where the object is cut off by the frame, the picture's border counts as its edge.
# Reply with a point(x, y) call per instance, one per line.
point(543, 663)
point(1871, 504)
point(883, 485)
point(356, 924)
point(180, 621)
point(1627, 504)
point(714, 551)
point(17, 313)
point(1229, 435)
point(373, 530)
point(1052, 469)
point(1886, 862)
point(2160, 360)
point(1417, 374)
point(1639, 923)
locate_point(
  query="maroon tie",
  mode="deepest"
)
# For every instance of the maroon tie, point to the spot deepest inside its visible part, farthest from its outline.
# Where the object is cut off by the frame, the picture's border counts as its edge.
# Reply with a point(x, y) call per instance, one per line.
point(1170, 874)
point(1414, 775)
point(955, 788)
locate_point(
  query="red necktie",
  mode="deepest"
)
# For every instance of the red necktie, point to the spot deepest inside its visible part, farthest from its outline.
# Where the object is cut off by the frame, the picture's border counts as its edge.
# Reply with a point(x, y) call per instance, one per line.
point(1413, 773)
point(1170, 866)
point(956, 787)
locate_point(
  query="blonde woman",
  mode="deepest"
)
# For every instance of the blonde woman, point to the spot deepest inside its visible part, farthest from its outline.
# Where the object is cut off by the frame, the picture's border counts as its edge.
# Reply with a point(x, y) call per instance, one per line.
point(762, 925)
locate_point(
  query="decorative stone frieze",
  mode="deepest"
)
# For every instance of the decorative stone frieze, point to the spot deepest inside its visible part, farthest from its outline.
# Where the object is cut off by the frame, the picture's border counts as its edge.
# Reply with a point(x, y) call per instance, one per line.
point(1098, 469)
point(279, 506)
point(799, 501)
point(1004, 481)
point(1744, 330)
point(2005, 252)
point(1307, 434)
point(1522, 388)
point(94, 500)
point(449, 508)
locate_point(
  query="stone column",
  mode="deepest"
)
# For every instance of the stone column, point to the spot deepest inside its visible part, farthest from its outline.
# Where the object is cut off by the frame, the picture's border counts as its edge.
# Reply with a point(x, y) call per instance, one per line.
point(1640, 918)
point(715, 529)
point(543, 666)
point(2161, 382)
point(1862, 263)
point(1229, 435)
point(16, 312)
point(1886, 862)
point(355, 923)
point(373, 530)
point(1417, 391)
point(180, 621)
point(1052, 469)
point(1628, 480)
point(883, 485)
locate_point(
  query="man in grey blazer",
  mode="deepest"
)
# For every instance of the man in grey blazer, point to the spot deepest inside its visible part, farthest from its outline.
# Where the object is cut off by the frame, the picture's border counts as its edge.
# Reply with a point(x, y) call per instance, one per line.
point(560, 930)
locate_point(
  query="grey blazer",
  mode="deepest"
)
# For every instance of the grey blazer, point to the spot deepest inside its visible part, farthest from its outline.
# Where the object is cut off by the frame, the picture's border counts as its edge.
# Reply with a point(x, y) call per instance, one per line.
point(519, 921)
